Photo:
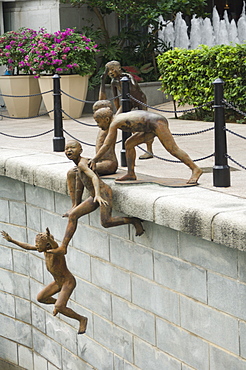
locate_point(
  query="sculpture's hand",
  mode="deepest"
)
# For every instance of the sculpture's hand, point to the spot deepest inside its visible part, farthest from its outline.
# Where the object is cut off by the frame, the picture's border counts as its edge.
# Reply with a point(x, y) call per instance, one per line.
point(104, 75)
point(6, 236)
point(61, 251)
point(92, 165)
point(100, 200)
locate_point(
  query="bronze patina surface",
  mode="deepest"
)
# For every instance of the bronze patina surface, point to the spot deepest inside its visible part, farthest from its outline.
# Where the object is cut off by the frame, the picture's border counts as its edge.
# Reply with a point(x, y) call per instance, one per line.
point(64, 282)
point(145, 126)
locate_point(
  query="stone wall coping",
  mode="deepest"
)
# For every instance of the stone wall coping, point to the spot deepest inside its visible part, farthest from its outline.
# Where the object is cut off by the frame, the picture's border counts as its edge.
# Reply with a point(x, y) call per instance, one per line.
point(201, 212)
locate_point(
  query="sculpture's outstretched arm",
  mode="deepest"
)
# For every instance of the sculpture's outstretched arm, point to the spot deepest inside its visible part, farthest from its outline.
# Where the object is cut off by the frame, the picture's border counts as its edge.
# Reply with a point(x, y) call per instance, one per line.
point(20, 244)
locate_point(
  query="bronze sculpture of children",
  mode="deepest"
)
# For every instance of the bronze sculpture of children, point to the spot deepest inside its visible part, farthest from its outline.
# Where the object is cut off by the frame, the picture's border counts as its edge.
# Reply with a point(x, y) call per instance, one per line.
point(145, 126)
point(100, 196)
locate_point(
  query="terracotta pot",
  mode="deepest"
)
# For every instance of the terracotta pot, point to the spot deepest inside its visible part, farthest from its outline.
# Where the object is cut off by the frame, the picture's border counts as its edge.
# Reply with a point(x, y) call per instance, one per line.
point(74, 85)
point(23, 85)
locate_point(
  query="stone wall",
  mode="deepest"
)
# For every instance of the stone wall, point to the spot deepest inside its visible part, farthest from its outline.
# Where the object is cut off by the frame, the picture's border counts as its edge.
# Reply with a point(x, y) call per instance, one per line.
point(52, 15)
point(171, 299)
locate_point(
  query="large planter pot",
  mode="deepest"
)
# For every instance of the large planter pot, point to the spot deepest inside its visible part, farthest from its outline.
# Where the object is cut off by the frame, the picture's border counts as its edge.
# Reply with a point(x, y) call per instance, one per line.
point(23, 85)
point(74, 85)
point(153, 93)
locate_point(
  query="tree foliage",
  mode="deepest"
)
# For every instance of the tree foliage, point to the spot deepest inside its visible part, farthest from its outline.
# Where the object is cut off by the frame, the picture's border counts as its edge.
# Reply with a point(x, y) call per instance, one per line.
point(137, 43)
point(145, 9)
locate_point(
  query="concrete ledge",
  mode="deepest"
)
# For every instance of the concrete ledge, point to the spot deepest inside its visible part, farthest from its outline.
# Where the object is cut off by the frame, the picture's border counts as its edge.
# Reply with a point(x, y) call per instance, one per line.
point(200, 212)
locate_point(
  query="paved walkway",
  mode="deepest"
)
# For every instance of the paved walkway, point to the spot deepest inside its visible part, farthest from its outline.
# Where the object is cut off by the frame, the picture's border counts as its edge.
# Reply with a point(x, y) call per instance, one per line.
point(197, 146)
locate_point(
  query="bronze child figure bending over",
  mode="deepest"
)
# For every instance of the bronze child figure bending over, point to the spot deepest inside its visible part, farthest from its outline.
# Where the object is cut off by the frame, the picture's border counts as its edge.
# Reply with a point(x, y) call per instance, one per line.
point(146, 126)
point(64, 282)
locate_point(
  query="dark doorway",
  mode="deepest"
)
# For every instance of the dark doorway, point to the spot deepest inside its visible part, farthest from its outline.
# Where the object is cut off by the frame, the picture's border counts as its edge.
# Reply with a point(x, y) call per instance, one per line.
point(233, 7)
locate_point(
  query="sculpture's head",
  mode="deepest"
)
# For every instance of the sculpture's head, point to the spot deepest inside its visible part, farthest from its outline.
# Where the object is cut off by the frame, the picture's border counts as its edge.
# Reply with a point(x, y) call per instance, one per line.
point(103, 117)
point(102, 104)
point(42, 241)
point(73, 149)
point(114, 69)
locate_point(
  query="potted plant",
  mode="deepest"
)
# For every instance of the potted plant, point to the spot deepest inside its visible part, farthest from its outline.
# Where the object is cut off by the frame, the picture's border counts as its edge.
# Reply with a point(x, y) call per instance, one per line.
point(18, 80)
point(69, 54)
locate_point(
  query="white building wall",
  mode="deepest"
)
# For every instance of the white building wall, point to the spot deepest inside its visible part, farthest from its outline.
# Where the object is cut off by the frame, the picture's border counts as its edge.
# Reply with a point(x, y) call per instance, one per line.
point(33, 14)
point(51, 15)
point(1, 18)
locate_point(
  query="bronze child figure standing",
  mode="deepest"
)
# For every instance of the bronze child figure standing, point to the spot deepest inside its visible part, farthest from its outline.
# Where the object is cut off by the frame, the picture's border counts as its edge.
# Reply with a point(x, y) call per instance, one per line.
point(64, 282)
point(114, 71)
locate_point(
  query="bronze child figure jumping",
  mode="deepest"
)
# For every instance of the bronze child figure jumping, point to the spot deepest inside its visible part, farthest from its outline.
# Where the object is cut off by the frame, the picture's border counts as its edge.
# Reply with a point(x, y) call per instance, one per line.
point(64, 282)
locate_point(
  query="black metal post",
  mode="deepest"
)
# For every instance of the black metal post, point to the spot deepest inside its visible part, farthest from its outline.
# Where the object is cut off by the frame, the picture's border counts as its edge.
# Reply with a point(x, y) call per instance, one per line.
point(221, 170)
point(58, 140)
point(125, 102)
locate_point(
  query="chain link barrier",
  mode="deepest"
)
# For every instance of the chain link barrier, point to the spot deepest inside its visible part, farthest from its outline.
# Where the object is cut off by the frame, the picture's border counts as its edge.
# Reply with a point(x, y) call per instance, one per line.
point(231, 106)
point(195, 132)
point(26, 96)
point(234, 161)
point(81, 123)
point(92, 125)
point(168, 111)
point(234, 133)
point(226, 103)
point(20, 118)
point(87, 101)
point(73, 137)
point(27, 137)
point(184, 134)
point(83, 142)
point(171, 160)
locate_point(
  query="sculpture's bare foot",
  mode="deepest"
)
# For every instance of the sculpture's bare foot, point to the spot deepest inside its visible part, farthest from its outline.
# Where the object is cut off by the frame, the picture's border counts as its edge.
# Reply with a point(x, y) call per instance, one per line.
point(82, 325)
point(196, 173)
point(127, 177)
point(138, 226)
point(67, 214)
point(146, 156)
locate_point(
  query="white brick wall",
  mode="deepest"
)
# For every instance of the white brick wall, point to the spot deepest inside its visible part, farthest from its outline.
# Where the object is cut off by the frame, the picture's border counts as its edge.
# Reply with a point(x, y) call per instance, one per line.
point(168, 300)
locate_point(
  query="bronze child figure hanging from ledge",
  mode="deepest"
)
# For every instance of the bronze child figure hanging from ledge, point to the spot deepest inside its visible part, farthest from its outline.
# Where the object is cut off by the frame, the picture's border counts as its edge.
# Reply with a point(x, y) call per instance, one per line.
point(100, 196)
point(64, 282)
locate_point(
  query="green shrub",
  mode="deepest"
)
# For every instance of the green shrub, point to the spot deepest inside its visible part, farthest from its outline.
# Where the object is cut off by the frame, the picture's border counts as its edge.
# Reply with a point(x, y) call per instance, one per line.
point(188, 75)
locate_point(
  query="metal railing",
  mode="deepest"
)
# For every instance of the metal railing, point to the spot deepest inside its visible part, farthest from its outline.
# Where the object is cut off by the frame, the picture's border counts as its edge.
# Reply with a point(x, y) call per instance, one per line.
point(221, 170)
